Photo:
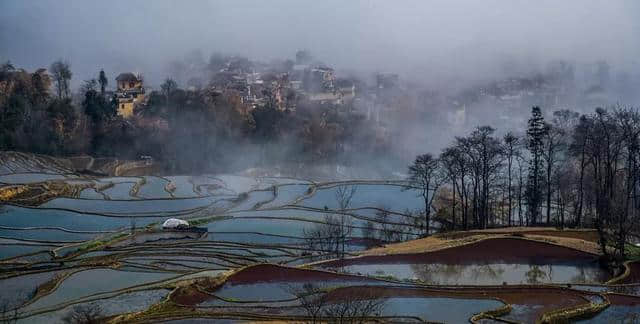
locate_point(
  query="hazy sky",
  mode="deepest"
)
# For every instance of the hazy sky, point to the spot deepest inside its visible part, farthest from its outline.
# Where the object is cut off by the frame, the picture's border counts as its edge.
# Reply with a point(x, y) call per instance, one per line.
point(417, 38)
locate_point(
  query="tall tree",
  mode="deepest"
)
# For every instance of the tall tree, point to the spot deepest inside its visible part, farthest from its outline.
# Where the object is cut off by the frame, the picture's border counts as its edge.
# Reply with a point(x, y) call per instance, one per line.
point(344, 195)
point(578, 149)
point(425, 175)
point(612, 148)
point(61, 73)
point(536, 132)
point(102, 79)
point(95, 105)
point(553, 144)
point(486, 154)
point(167, 88)
point(511, 148)
point(449, 158)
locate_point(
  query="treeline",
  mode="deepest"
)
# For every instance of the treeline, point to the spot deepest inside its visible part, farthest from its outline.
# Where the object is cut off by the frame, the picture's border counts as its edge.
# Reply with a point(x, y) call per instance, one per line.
point(570, 170)
point(192, 130)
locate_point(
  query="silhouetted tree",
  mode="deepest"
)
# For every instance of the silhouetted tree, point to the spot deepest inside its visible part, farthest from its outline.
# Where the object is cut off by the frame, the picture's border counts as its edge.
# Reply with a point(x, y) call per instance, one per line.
point(511, 145)
point(303, 57)
point(425, 175)
point(167, 88)
point(536, 132)
point(61, 73)
point(84, 314)
point(578, 149)
point(344, 195)
point(102, 79)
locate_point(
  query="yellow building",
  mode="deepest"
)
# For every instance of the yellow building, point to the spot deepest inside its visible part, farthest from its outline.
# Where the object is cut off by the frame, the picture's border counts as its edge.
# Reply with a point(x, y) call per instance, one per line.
point(130, 93)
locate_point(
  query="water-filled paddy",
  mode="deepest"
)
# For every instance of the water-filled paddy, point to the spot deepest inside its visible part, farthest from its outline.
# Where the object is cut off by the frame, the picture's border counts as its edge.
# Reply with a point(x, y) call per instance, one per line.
point(255, 238)
point(154, 187)
point(90, 193)
point(13, 216)
point(51, 235)
point(182, 187)
point(19, 289)
point(11, 250)
point(93, 281)
point(123, 303)
point(254, 200)
point(260, 225)
point(623, 309)
point(487, 262)
point(120, 191)
point(486, 273)
point(287, 194)
point(130, 206)
point(445, 310)
point(238, 184)
point(390, 197)
point(616, 314)
point(22, 178)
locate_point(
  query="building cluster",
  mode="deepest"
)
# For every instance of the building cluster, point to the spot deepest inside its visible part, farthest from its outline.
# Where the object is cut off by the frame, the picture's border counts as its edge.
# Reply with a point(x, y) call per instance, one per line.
point(254, 85)
point(283, 89)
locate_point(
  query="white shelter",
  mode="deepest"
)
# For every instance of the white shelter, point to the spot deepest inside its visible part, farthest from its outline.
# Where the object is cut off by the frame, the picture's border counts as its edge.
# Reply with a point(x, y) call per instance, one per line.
point(173, 223)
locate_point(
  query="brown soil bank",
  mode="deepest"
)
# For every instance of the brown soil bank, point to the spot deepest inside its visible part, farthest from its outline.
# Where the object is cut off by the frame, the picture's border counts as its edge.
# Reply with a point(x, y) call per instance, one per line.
point(447, 240)
point(624, 300)
point(197, 292)
point(273, 273)
point(112, 166)
point(490, 250)
point(590, 235)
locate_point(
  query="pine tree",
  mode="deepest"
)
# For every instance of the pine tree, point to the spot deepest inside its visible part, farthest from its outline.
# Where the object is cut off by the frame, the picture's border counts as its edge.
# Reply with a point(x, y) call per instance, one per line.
point(535, 134)
point(102, 79)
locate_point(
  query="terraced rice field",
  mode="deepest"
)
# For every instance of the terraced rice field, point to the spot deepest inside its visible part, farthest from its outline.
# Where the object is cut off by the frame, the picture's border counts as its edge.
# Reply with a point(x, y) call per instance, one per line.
point(105, 246)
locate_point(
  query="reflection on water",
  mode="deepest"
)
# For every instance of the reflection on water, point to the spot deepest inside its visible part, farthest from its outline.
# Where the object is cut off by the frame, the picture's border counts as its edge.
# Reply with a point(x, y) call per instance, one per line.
point(616, 314)
point(445, 310)
point(486, 274)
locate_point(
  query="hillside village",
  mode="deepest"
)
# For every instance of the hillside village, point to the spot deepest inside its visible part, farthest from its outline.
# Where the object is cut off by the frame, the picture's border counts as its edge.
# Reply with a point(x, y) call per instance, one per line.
point(299, 107)
point(252, 86)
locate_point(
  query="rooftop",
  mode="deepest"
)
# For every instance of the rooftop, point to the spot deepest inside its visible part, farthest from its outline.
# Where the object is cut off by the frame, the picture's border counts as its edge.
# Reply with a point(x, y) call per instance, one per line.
point(128, 76)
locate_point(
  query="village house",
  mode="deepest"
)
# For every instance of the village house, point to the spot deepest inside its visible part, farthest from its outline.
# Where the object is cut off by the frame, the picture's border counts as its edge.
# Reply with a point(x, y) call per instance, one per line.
point(130, 93)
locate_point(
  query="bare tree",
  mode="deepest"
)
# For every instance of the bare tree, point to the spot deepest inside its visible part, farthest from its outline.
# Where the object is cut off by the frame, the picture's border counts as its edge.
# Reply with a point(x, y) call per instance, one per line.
point(324, 237)
point(344, 195)
point(349, 305)
point(425, 175)
point(84, 314)
point(167, 88)
point(511, 148)
point(8, 312)
point(486, 153)
point(521, 184)
point(613, 150)
point(312, 298)
point(553, 143)
point(449, 157)
point(61, 73)
point(356, 305)
point(578, 149)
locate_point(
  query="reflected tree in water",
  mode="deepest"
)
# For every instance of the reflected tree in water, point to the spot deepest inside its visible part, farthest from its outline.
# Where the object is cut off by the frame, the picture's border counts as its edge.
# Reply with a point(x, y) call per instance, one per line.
point(347, 305)
point(535, 275)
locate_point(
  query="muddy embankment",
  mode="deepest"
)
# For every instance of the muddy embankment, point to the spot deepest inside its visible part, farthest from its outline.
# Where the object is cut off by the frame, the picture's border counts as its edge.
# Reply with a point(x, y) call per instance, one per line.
point(502, 249)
